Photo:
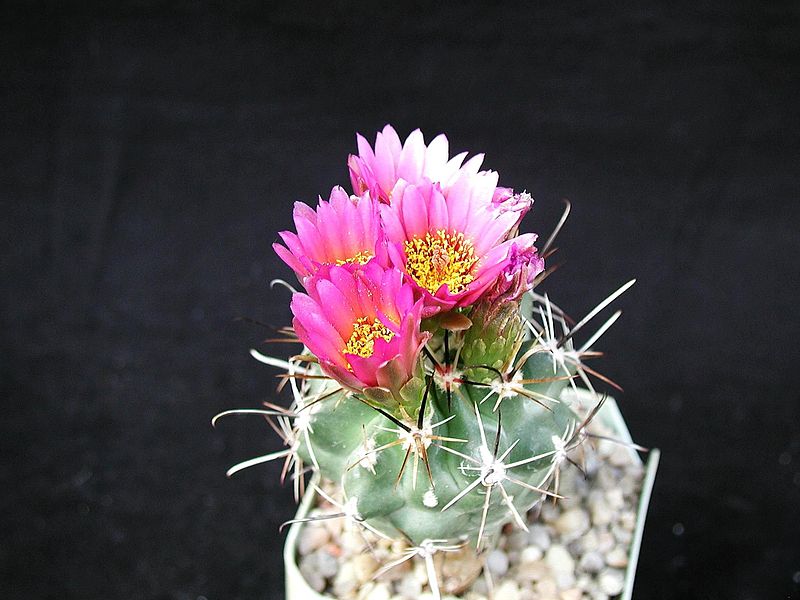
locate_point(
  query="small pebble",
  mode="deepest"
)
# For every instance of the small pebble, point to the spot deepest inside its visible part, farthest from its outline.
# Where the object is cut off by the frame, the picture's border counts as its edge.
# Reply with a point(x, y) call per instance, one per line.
point(533, 571)
point(379, 592)
point(615, 499)
point(497, 562)
point(622, 535)
point(312, 538)
point(572, 523)
point(507, 590)
point(561, 565)
point(311, 574)
point(591, 562)
point(531, 554)
point(611, 582)
point(539, 536)
point(605, 541)
point(617, 558)
point(409, 587)
point(588, 542)
point(351, 541)
point(345, 583)
point(547, 588)
point(575, 593)
point(364, 565)
point(480, 586)
point(420, 572)
point(627, 519)
point(602, 514)
point(327, 565)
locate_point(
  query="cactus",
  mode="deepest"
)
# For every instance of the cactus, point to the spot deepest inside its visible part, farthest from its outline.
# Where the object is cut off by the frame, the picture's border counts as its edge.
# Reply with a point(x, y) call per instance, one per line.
point(430, 382)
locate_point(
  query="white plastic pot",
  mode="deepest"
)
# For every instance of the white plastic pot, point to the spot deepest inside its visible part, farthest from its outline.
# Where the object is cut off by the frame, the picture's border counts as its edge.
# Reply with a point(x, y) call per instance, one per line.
point(609, 415)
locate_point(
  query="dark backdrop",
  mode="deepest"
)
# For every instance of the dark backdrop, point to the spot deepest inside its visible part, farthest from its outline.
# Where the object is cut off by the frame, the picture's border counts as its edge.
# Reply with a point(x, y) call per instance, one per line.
point(150, 155)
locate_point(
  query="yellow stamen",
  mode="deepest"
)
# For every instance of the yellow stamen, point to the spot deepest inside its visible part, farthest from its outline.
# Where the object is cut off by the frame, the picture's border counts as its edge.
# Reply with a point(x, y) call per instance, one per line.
point(439, 258)
point(361, 258)
point(362, 340)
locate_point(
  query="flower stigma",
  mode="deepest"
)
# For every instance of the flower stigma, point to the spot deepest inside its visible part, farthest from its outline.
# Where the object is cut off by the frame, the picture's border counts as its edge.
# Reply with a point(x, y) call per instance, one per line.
point(441, 258)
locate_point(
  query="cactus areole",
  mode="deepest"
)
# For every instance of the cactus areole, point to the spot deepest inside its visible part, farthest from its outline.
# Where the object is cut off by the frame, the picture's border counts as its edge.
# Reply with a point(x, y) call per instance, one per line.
point(428, 373)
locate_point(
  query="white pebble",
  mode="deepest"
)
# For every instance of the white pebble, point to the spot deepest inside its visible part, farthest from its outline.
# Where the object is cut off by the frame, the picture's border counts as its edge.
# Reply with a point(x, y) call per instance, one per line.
point(312, 538)
point(420, 572)
point(591, 562)
point(527, 594)
point(345, 583)
point(364, 565)
point(379, 592)
point(409, 587)
point(539, 536)
point(611, 582)
point(507, 590)
point(627, 519)
point(352, 541)
point(562, 565)
point(615, 498)
point(588, 542)
point(602, 514)
point(531, 554)
point(621, 534)
point(572, 523)
point(327, 565)
point(497, 562)
point(605, 541)
point(617, 558)
point(547, 589)
point(308, 568)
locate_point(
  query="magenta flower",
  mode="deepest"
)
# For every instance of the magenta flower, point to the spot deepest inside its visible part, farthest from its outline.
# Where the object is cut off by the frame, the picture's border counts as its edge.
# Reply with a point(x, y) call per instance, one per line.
point(452, 247)
point(342, 231)
point(519, 273)
point(412, 161)
point(362, 325)
point(505, 200)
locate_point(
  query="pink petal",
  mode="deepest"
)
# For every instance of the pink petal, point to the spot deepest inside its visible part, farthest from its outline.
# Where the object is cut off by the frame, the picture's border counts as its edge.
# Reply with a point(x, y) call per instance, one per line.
point(336, 308)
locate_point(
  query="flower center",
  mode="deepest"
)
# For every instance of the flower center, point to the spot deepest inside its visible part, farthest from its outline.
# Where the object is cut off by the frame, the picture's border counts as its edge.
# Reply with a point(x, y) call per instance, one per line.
point(362, 340)
point(440, 258)
point(361, 258)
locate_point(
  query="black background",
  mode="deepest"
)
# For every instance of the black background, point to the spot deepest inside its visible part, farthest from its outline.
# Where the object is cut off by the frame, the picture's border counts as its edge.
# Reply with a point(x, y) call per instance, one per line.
point(150, 155)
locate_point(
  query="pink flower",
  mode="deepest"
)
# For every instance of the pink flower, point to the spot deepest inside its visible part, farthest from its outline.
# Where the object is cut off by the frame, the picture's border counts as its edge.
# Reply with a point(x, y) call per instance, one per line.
point(362, 325)
point(517, 277)
point(453, 247)
point(412, 161)
point(505, 200)
point(342, 231)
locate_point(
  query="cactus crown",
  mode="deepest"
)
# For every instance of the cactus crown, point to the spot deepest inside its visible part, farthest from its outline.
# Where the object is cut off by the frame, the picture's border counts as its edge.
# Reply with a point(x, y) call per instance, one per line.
point(430, 383)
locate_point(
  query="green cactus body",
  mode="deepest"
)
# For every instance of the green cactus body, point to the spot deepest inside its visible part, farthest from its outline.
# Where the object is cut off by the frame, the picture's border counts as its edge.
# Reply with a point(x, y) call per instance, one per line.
point(355, 445)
